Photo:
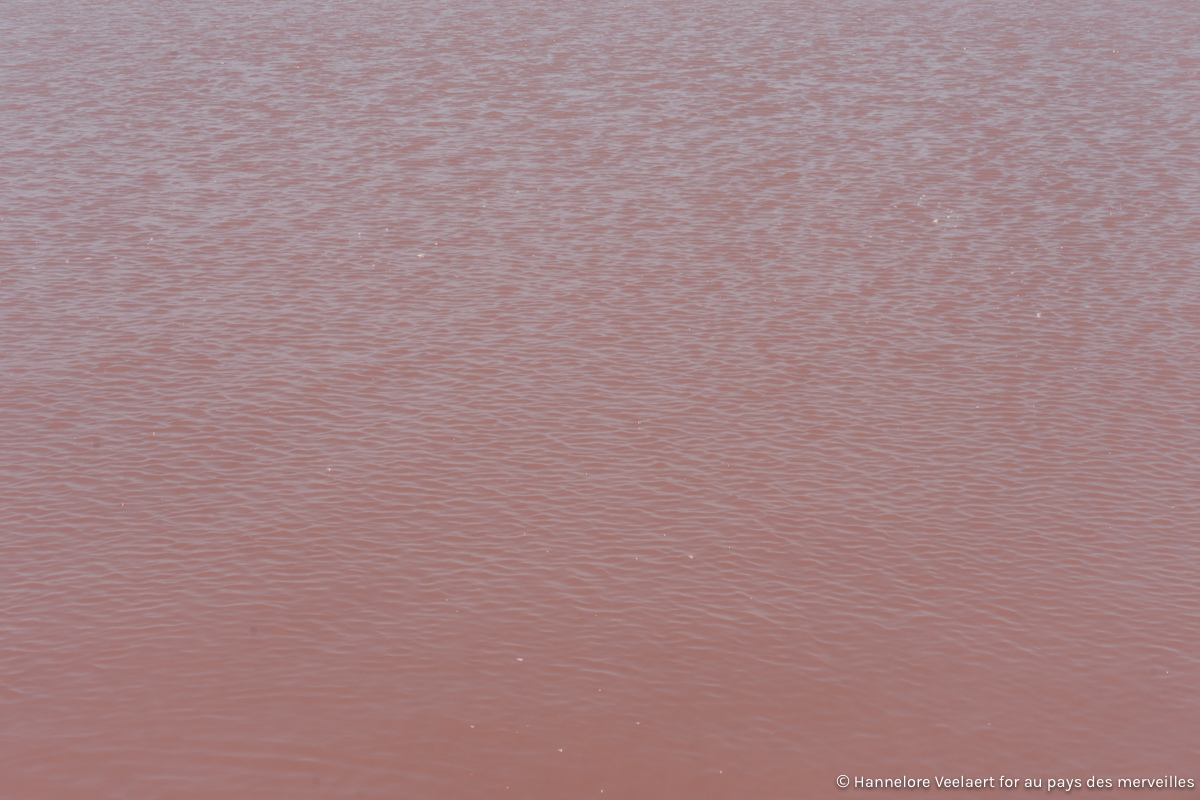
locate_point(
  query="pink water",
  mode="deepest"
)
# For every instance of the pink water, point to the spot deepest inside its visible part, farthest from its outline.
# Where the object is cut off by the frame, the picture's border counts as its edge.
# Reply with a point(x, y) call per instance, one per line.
point(597, 400)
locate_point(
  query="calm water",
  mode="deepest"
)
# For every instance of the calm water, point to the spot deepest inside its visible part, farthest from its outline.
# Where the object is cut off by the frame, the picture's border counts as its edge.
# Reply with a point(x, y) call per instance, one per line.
point(596, 400)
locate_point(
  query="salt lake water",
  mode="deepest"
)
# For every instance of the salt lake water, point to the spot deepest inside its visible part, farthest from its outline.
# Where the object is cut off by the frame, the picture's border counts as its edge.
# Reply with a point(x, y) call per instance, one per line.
point(596, 400)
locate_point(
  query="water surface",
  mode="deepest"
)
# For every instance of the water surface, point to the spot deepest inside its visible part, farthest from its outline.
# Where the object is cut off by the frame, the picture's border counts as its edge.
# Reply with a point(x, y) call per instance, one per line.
point(679, 400)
